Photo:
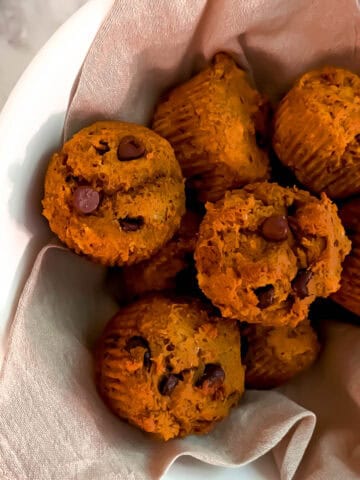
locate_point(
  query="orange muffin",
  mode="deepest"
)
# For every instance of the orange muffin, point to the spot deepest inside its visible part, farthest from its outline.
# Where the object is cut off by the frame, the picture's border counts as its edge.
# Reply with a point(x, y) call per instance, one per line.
point(349, 294)
point(266, 252)
point(163, 271)
point(213, 122)
point(275, 355)
point(317, 131)
point(115, 193)
point(168, 366)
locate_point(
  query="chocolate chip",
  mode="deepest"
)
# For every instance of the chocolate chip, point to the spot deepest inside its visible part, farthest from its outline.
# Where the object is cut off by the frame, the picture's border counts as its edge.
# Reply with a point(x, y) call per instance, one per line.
point(130, 148)
point(275, 228)
point(213, 374)
point(86, 199)
point(131, 224)
point(300, 282)
point(167, 384)
point(138, 341)
point(102, 148)
point(265, 296)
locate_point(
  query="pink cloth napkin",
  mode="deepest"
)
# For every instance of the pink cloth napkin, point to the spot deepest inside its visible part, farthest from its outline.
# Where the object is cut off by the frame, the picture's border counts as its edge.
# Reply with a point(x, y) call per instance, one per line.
point(52, 423)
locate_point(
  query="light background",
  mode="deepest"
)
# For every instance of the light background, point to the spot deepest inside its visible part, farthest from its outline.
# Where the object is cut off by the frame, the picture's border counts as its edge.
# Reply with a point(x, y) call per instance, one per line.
point(25, 25)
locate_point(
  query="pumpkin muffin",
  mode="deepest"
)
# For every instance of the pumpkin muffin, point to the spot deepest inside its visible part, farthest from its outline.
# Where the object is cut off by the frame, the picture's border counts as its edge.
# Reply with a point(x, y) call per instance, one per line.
point(213, 122)
point(275, 355)
point(349, 294)
point(169, 367)
point(115, 193)
point(317, 131)
point(266, 252)
point(165, 270)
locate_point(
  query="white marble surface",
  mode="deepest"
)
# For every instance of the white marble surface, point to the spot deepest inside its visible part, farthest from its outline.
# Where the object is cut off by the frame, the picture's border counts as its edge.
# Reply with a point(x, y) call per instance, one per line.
point(25, 25)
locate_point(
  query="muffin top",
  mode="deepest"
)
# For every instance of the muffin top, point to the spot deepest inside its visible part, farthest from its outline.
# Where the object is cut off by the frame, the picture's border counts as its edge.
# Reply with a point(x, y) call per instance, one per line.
point(213, 122)
point(266, 252)
point(169, 366)
point(317, 131)
point(114, 192)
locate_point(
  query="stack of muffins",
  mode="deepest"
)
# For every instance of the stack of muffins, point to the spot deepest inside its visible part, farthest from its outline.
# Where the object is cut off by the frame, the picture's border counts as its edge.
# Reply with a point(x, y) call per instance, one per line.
point(214, 265)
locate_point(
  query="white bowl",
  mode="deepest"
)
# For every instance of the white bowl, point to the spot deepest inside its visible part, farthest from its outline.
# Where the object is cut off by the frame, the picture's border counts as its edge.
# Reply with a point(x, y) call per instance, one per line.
point(30, 128)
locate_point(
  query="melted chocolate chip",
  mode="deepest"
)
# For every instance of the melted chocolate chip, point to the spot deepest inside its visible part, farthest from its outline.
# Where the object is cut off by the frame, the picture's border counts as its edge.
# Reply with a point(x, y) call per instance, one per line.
point(86, 199)
point(167, 384)
point(138, 341)
point(265, 295)
point(213, 374)
point(275, 228)
point(102, 148)
point(131, 224)
point(300, 282)
point(130, 148)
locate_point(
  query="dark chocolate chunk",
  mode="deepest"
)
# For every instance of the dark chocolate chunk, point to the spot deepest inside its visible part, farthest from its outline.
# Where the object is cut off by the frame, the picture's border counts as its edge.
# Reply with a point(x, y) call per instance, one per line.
point(131, 224)
point(213, 374)
point(300, 282)
point(275, 228)
point(130, 148)
point(86, 199)
point(265, 295)
point(167, 384)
